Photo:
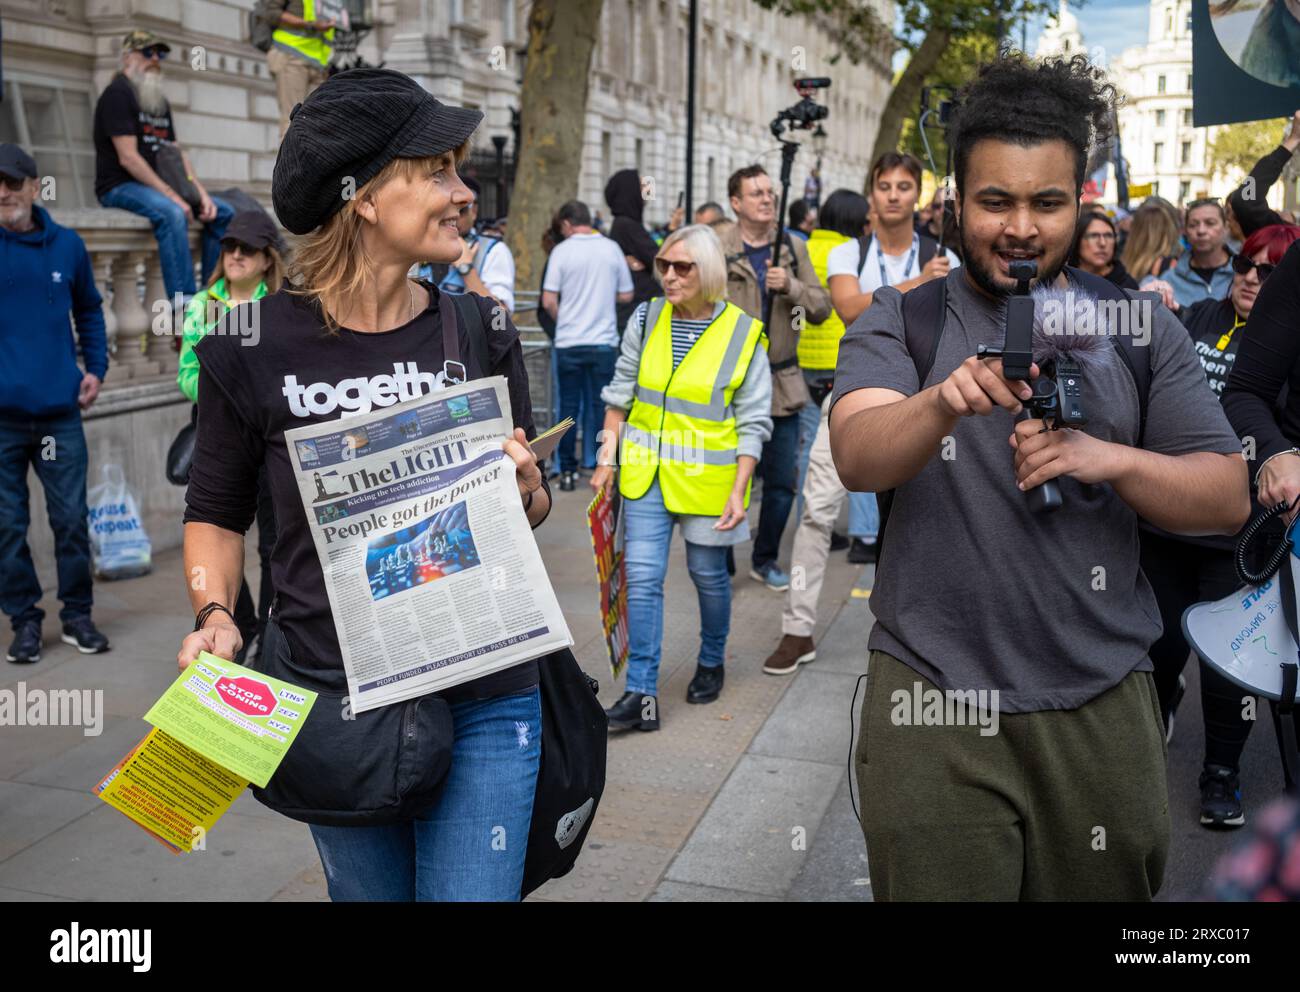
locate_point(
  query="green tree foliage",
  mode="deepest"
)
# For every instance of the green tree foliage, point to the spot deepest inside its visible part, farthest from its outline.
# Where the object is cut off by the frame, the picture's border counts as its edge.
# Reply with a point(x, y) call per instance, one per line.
point(1235, 148)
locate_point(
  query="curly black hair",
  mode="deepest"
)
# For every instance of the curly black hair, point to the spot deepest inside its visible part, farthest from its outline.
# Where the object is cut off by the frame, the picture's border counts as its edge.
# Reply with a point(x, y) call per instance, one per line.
point(1026, 102)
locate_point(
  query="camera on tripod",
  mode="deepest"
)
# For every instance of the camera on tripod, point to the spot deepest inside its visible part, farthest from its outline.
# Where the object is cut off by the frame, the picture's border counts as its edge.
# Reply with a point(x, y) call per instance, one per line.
point(807, 111)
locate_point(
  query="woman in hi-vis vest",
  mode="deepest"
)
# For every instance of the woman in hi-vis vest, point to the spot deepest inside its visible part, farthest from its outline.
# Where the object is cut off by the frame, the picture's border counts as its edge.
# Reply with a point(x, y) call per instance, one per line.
point(690, 403)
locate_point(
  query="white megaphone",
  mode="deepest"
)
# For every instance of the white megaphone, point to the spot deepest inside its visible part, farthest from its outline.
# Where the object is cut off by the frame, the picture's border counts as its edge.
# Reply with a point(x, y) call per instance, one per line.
point(1246, 636)
point(1251, 636)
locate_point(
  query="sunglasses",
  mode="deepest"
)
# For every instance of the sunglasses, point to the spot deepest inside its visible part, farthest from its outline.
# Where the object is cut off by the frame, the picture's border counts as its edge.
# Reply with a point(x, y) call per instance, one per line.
point(1242, 266)
point(154, 52)
point(230, 247)
point(13, 185)
point(683, 269)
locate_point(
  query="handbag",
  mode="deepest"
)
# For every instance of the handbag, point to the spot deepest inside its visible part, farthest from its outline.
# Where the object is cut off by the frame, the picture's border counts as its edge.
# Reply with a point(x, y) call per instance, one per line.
point(571, 779)
point(180, 456)
point(170, 167)
point(349, 769)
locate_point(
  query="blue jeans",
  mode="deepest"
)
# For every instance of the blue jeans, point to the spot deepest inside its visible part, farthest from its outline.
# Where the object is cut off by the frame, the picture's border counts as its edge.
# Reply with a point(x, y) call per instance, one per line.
point(584, 371)
point(809, 417)
point(172, 231)
point(60, 464)
point(864, 516)
point(649, 534)
point(470, 845)
point(779, 469)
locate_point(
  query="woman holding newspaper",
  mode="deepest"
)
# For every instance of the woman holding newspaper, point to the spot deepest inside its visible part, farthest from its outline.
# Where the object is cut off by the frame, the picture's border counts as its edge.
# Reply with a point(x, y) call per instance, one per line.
point(367, 175)
point(691, 401)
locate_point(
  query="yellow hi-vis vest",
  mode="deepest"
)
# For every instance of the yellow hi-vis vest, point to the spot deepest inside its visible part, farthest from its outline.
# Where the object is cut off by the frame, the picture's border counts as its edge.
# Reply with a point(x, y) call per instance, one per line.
point(682, 426)
point(313, 47)
point(819, 344)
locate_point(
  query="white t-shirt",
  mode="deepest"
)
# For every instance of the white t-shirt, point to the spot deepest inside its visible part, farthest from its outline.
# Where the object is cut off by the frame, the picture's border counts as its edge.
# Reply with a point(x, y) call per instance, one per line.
point(498, 274)
point(843, 261)
point(588, 271)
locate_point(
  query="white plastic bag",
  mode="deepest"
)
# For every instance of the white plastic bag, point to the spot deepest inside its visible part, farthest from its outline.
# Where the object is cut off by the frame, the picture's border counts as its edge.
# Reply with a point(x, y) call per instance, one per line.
point(118, 542)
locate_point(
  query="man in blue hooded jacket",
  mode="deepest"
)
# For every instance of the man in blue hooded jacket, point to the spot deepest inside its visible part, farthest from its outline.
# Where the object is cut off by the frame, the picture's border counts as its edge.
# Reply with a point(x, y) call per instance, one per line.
point(45, 276)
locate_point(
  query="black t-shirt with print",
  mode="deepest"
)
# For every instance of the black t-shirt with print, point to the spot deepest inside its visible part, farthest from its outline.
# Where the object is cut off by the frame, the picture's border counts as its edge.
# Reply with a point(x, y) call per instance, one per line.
point(296, 373)
point(117, 113)
point(1209, 322)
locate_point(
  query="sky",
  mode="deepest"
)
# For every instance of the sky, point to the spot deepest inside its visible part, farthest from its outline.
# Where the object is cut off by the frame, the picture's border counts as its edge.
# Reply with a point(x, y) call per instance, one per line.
point(1114, 25)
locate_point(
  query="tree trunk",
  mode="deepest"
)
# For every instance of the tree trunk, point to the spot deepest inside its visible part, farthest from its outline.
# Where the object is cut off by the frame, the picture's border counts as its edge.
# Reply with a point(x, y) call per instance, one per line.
point(902, 100)
point(553, 113)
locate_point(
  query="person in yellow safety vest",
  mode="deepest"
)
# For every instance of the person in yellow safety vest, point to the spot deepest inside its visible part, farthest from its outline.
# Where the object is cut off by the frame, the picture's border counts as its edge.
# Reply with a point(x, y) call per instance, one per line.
point(691, 403)
point(300, 50)
point(843, 217)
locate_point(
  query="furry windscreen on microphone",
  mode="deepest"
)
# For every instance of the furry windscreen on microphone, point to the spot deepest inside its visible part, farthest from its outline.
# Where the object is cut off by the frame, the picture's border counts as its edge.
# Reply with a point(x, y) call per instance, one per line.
point(1072, 321)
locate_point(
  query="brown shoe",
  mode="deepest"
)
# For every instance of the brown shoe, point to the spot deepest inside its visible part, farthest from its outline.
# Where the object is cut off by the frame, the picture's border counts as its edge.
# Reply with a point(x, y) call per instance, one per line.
point(789, 655)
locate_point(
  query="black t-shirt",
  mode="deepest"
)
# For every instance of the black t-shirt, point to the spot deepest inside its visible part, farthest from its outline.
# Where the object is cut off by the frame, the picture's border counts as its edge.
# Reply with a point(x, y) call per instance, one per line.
point(117, 113)
point(248, 396)
point(1217, 334)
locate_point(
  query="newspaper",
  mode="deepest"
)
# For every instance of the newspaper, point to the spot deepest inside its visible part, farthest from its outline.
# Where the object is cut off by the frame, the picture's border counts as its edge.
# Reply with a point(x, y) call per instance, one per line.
point(432, 572)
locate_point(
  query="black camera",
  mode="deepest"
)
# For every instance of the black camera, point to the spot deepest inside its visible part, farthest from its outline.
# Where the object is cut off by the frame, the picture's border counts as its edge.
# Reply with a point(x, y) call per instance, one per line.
point(807, 111)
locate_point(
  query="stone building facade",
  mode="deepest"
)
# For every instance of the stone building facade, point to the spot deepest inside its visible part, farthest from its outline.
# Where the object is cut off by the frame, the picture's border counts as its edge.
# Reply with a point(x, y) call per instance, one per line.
point(59, 54)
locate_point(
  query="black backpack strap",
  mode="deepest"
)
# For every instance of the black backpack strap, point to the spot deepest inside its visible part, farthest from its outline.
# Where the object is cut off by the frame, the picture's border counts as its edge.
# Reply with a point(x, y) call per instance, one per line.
point(925, 311)
point(864, 243)
point(1136, 359)
point(929, 248)
point(471, 318)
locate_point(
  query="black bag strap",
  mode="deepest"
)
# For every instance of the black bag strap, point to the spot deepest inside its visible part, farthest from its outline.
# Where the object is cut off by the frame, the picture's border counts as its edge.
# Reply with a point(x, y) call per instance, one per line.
point(864, 244)
point(925, 312)
point(929, 248)
point(471, 318)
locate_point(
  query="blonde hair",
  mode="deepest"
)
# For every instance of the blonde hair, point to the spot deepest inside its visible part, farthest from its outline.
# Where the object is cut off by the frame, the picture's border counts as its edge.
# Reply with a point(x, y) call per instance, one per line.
point(1152, 237)
point(330, 264)
point(273, 276)
point(706, 252)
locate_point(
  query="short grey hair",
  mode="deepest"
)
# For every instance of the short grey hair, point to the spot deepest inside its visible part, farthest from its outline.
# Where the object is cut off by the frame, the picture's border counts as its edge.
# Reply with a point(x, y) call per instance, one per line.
point(702, 244)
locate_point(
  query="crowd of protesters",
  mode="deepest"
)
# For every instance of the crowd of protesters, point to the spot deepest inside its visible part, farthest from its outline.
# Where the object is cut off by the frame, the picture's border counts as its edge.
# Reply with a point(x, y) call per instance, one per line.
point(781, 347)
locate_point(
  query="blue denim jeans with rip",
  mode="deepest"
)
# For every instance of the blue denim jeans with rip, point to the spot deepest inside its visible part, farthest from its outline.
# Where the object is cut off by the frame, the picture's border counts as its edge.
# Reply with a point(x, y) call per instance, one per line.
point(470, 845)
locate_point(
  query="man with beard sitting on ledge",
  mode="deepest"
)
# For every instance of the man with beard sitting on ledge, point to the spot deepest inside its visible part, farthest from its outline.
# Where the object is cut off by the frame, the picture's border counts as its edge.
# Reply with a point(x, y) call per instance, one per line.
point(132, 120)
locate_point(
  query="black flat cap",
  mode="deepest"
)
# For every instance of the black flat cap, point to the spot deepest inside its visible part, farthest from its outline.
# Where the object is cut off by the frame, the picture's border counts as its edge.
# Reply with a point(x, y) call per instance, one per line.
point(345, 132)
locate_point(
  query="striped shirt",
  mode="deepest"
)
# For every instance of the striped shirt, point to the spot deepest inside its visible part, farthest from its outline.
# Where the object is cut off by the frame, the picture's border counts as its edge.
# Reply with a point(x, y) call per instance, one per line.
point(685, 334)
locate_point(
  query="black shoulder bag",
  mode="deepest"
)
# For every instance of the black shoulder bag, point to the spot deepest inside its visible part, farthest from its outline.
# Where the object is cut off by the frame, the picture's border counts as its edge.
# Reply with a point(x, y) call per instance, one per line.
point(575, 730)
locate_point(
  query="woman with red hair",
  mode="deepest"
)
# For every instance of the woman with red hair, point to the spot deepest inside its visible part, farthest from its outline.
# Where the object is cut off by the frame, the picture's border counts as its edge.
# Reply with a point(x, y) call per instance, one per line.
point(1188, 570)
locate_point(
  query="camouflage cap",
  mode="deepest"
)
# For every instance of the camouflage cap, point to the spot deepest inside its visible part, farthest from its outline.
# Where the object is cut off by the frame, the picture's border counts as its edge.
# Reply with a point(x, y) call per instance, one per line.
point(140, 38)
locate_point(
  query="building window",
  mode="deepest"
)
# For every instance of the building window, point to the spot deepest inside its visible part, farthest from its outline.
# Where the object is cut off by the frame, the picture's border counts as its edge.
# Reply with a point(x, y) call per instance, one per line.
point(1160, 118)
point(708, 179)
point(1189, 82)
point(640, 166)
point(1156, 158)
point(51, 120)
point(1184, 188)
point(1160, 84)
point(1186, 153)
point(606, 153)
point(1187, 117)
point(1169, 20)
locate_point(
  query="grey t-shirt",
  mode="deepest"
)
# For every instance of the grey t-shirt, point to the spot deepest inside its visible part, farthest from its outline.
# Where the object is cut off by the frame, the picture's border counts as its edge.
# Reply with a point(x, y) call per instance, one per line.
point(974, 591)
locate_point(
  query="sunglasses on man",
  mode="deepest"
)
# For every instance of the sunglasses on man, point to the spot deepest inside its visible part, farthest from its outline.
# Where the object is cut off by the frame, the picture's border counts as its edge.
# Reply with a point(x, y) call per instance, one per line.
point(11, 184)
point(154, 52)
point(683, 269)
point(1242, 266)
